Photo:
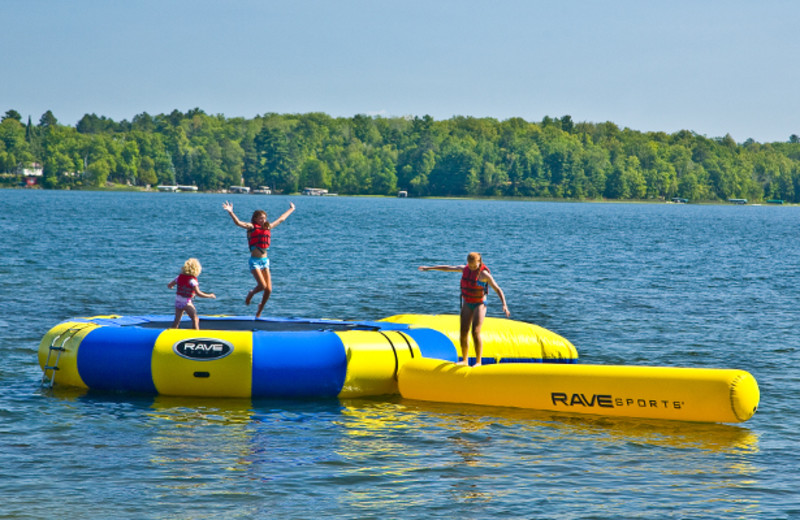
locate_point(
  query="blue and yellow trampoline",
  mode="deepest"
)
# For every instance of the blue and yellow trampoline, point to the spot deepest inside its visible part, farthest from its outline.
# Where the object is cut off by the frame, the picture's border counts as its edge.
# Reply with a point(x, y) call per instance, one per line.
point(409, 354)
point(233, 356)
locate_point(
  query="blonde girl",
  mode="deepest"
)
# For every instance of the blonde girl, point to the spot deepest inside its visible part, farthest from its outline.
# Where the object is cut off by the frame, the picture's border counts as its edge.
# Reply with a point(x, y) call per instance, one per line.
point(188, 287)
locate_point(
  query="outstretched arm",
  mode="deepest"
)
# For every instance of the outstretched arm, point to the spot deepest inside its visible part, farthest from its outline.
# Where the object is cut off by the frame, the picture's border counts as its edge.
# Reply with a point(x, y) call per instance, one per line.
point(448, 268)
point(171, 284)
point(201, 294)
point(490, 279)
point(229, 208)
point(283, 217)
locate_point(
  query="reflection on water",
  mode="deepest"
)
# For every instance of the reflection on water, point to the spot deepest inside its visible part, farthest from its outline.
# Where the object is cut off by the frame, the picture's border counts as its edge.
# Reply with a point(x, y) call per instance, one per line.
point(684, 435)
point(199, 450)
point(65, 393)
point(493, 448)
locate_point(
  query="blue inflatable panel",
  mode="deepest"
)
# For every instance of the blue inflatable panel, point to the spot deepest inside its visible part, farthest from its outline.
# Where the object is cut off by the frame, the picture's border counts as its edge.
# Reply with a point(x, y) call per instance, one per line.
point(433, 344)
point(109, 360)
point(298, 364)
point(120, 321)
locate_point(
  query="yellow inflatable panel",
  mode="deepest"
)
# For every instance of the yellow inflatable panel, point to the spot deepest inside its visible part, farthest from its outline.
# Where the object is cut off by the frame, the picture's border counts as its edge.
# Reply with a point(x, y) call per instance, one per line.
point(373, 360)
point(502, 338)
point(59, 348)
point(178, 367)
point(684, 394)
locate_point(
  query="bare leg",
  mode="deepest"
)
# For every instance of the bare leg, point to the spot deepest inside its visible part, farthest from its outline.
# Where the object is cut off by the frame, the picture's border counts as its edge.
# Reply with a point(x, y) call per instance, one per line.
point(177, 323)
point(260, 284)
point(466, 321)
point(267, 291)
point(192, 313)
point(477, 323)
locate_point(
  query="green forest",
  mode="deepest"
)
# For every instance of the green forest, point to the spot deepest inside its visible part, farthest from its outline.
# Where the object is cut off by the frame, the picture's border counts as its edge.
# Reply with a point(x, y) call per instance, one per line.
point(555, 158)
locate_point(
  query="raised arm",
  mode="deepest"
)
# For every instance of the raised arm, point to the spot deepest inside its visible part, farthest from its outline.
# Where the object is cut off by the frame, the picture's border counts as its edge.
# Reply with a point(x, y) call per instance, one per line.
point(448, 268)
point(227, 206)
point(490, 279)
point(282, 217)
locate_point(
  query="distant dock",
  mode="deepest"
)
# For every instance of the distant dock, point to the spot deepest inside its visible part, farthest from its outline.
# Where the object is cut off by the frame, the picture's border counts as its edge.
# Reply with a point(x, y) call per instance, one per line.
point(176, 187)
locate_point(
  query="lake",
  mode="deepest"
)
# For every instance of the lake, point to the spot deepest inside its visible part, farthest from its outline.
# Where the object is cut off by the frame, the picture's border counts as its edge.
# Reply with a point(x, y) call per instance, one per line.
point(634, 284)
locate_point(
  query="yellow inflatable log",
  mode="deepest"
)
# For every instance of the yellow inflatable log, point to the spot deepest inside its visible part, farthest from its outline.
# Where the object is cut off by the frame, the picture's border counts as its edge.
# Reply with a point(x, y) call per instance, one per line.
point(683, 394)
point(503, 340)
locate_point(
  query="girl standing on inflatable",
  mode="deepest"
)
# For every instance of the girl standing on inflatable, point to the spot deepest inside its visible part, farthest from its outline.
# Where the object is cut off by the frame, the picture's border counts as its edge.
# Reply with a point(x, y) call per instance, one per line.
point(475, 282)
point(188, 287)
point(259, 233)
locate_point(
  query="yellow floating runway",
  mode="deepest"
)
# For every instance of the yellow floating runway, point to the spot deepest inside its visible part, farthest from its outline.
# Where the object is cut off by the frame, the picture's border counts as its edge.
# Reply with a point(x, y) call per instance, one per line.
point(684, 394)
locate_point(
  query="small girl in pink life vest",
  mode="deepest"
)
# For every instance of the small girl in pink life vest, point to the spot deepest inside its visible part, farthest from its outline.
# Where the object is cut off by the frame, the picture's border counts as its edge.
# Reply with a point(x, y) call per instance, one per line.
point(475, 282)
point(187, 289)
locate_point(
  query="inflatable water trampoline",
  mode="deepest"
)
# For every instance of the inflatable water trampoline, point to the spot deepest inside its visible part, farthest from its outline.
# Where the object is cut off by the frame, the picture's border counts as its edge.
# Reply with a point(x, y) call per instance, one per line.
point(412, 355)
point(235, 356)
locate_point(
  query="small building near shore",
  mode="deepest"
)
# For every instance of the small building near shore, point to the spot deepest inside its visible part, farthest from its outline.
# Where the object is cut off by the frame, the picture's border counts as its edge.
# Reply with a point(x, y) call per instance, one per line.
point(33, 170)
point(32, 174)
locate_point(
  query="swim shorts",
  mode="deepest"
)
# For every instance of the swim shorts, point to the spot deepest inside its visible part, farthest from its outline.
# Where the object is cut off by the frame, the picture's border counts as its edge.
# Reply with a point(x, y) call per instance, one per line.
point(259, 263)
point(474, 306)
point(181, 302)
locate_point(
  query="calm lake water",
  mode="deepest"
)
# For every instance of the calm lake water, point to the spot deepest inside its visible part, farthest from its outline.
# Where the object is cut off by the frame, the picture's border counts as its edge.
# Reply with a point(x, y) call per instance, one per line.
point(672, 285)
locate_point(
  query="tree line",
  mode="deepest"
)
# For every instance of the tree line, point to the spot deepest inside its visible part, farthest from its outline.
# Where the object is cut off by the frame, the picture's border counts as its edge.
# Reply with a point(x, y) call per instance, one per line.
point(462, 156)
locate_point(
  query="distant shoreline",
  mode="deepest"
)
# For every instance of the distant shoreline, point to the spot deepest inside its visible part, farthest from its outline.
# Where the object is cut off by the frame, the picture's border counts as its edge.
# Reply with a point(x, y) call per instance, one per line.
point(141, 189)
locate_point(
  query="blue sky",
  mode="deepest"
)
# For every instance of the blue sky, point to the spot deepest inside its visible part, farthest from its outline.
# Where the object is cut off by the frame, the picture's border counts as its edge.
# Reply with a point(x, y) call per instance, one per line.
point(712, 67)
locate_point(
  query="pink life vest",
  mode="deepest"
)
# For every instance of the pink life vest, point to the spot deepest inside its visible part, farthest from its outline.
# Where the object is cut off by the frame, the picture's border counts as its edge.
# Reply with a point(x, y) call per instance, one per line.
point(185, 287)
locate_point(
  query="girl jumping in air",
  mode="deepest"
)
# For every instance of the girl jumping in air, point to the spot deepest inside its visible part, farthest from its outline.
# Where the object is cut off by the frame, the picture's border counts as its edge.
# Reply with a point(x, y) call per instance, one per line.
point(188, 287)
point(259, 233)
point(475, 282)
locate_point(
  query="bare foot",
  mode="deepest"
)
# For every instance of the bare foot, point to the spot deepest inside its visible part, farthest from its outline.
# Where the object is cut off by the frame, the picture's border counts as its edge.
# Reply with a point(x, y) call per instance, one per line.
point(463, 363)
point(477, 364)
point(249, 297)
point(258, 312)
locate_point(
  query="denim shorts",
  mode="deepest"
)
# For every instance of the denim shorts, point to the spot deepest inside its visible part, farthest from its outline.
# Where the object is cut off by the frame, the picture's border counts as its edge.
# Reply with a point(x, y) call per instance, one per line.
point(259, 263)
